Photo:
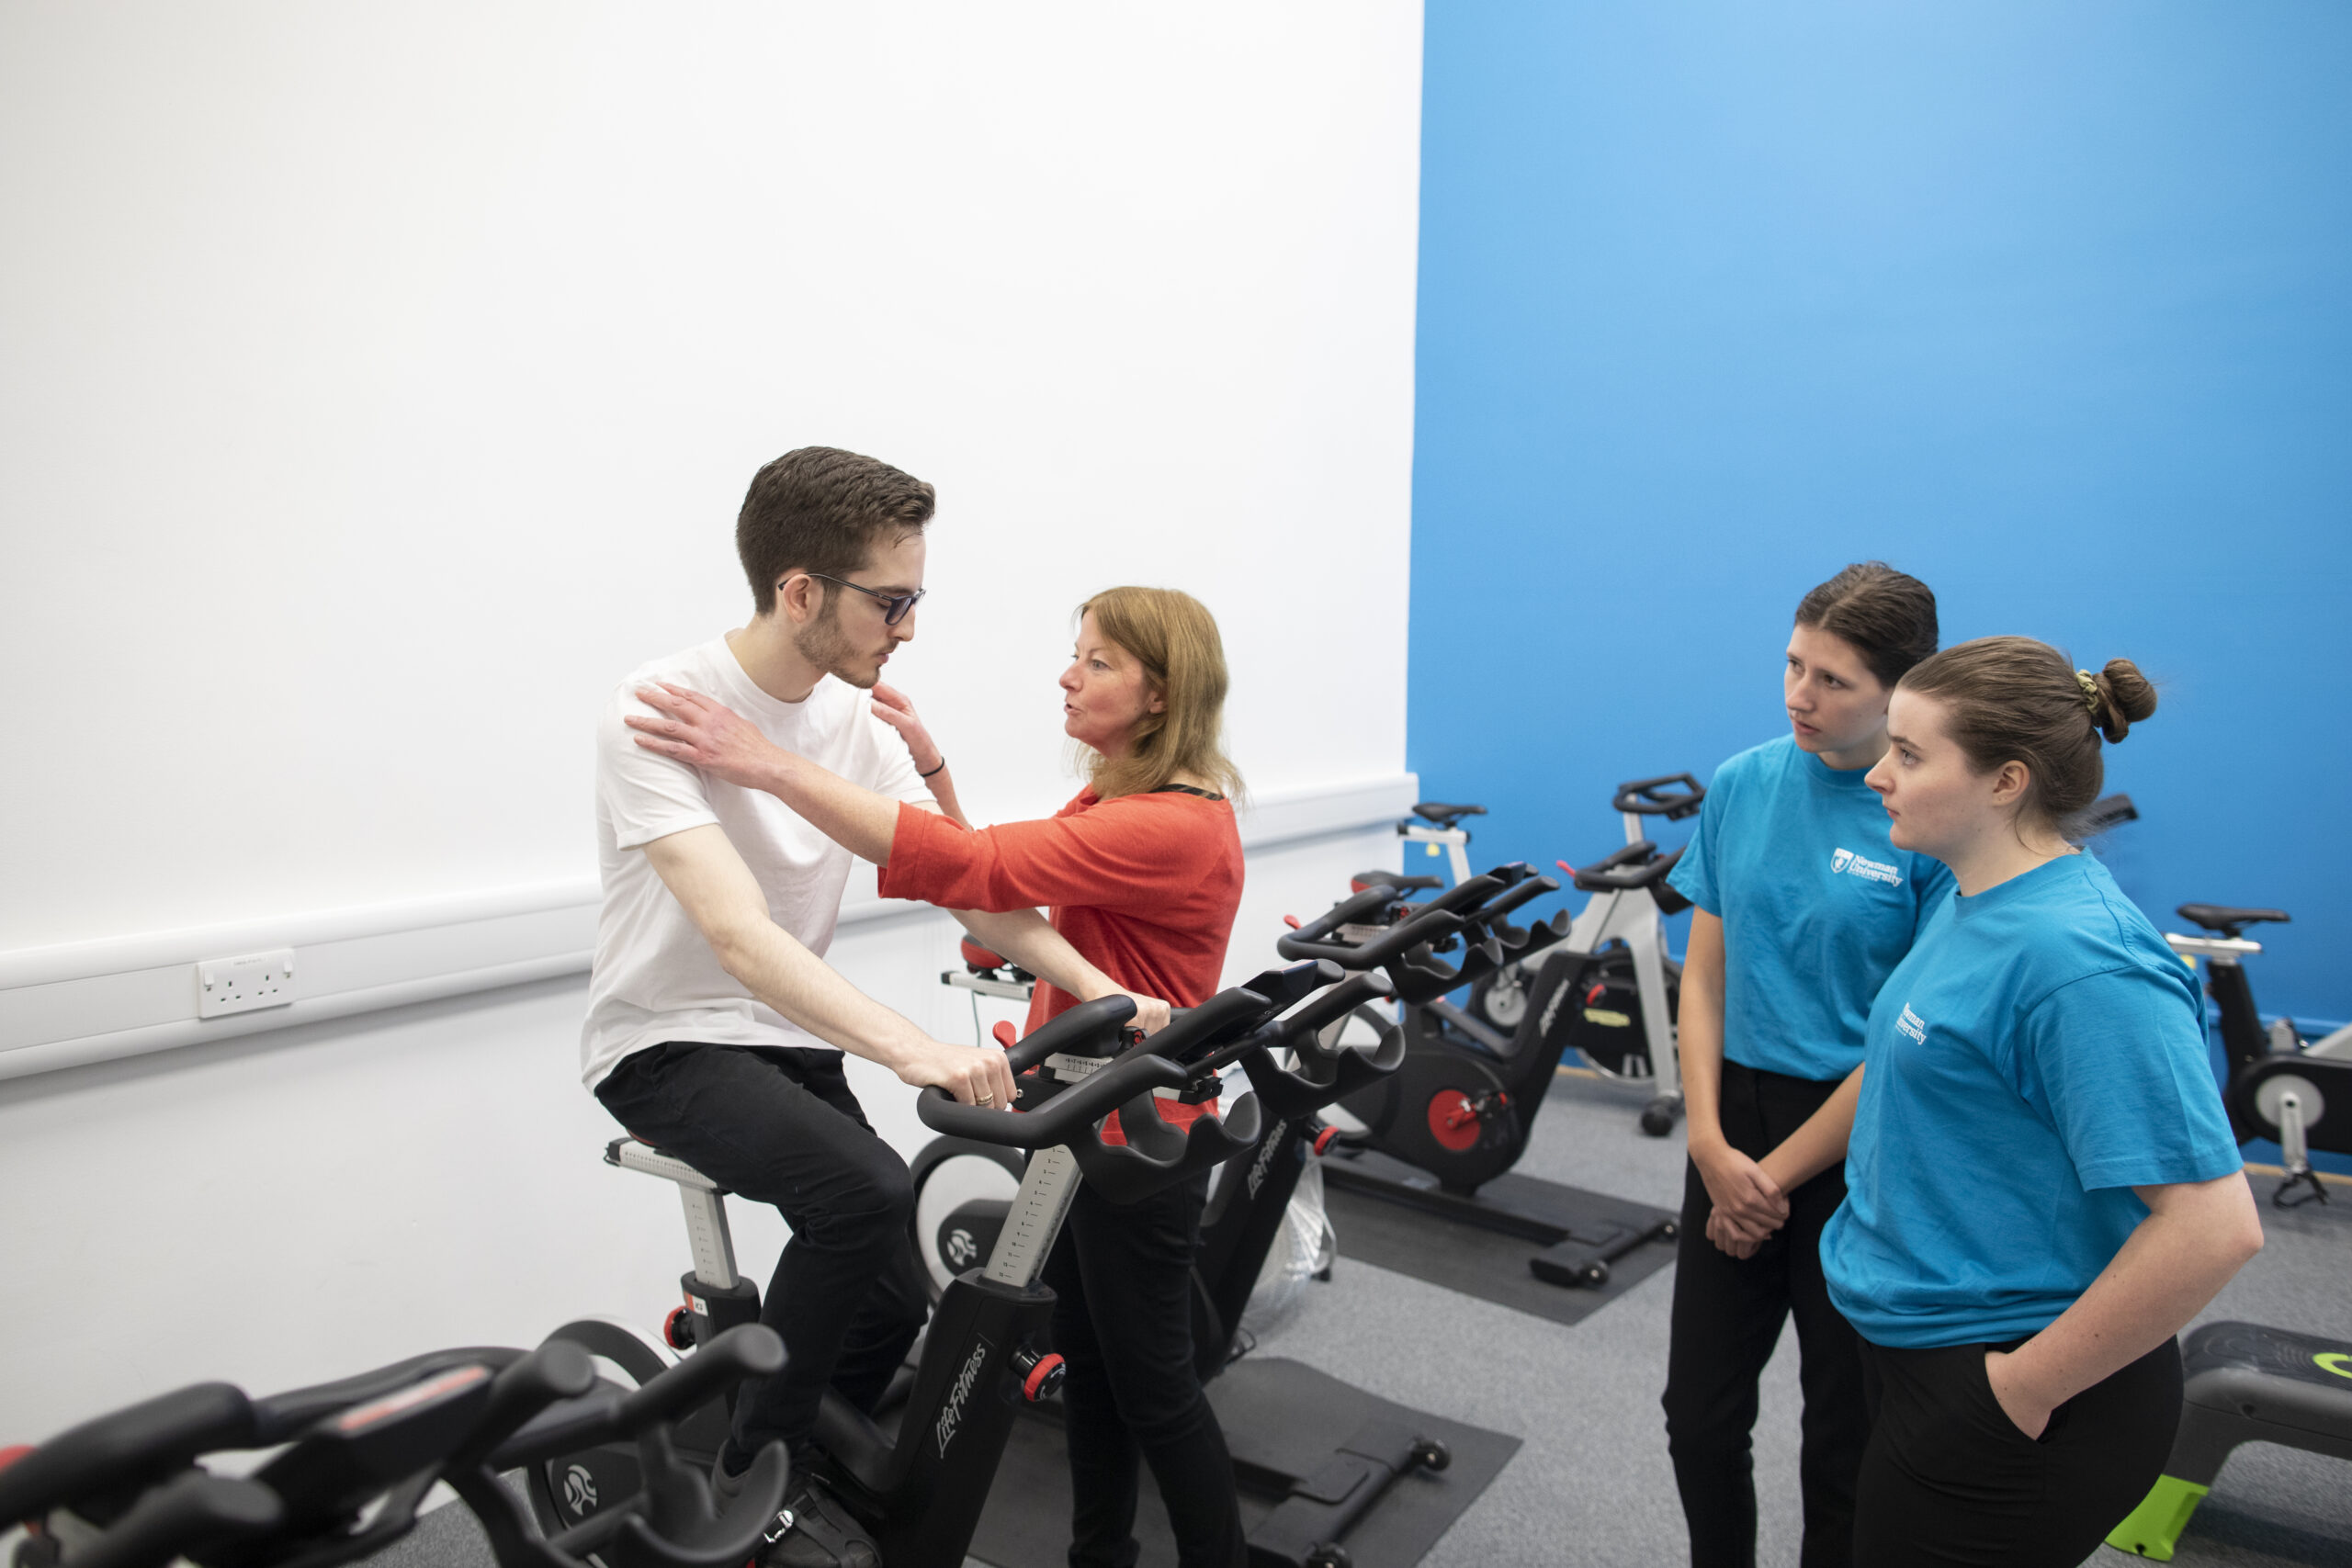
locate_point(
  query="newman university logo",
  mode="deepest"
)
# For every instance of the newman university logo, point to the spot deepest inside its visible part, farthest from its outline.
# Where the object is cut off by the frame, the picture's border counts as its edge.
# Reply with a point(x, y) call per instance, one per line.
point(1848, 864)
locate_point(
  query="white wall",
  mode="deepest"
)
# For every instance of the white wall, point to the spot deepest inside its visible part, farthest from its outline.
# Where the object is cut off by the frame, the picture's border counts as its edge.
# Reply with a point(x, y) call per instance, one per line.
point(382, 379)
point(379, 385)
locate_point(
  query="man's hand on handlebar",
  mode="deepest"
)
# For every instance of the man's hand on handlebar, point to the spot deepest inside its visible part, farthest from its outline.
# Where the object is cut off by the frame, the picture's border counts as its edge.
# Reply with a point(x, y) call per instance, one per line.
point(893, 707)
point(974, 1076)
point(702, 733)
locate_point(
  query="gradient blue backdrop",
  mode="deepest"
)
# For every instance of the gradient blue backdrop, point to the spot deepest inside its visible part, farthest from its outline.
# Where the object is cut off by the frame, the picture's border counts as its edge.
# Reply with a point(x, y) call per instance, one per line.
point(2048, 305)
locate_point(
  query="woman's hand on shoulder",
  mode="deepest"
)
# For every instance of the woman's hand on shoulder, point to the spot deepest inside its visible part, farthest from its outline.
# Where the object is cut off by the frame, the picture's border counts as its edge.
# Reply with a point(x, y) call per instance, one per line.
point(704, 734)
point(893, 707)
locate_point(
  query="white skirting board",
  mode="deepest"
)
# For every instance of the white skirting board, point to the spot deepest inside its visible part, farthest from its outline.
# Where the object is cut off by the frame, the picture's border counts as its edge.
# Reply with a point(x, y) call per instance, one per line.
point(93, 1001)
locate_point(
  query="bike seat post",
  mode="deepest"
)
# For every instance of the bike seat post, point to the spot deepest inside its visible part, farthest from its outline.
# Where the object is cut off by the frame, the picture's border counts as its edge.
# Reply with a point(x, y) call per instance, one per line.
point(704, 1203)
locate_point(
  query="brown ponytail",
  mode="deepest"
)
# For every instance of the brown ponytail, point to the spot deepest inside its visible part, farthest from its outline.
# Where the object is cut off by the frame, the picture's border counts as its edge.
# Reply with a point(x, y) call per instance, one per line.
point(2011, 699)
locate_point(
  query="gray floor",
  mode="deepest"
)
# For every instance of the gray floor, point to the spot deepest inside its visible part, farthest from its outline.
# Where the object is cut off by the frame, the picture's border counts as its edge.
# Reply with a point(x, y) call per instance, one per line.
point(1593, 1486)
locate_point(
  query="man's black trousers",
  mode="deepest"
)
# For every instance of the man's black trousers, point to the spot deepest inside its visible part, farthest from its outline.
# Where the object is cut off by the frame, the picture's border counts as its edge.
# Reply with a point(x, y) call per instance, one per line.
point(1728, 1313)
point(780, 1126)
point(1122, 1276)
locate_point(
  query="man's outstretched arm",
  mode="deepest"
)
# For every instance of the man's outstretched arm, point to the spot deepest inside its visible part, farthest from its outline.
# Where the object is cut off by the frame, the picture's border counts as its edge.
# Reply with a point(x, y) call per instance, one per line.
point(718, 891)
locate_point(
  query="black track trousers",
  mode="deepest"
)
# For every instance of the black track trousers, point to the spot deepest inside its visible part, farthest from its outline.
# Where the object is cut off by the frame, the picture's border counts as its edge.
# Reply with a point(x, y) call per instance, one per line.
point(1949, 1481)
point(1122, 1275)
point(780, 1126)
point(1727, 1317)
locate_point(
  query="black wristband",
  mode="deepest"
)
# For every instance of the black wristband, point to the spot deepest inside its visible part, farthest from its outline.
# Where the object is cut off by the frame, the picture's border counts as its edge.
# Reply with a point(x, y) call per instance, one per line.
point(943, 762)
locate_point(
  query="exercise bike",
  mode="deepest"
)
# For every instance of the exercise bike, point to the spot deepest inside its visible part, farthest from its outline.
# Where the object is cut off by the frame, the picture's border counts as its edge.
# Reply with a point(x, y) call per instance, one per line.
point(2242, 1382)
point(1627, 991)
point(916, 1496)
point(1320, 1472)
point(130, 1489)
point(2279, 1084)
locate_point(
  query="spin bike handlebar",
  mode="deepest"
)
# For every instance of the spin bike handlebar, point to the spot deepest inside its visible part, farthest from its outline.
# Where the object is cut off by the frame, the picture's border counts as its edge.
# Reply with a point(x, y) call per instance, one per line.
point(459, 1415)
point(1659, 796)
point(1433, 921)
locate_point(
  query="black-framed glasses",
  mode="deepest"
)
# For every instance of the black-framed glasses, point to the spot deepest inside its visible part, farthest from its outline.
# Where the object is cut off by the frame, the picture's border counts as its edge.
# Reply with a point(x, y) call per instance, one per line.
point(894, 605)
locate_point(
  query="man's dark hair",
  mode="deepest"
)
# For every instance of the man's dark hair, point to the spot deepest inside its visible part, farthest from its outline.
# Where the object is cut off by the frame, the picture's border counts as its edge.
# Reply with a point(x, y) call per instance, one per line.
point(820, 509)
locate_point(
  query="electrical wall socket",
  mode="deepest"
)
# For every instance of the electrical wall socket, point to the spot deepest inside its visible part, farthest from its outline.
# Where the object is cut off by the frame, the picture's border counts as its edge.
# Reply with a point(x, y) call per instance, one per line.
point(242, 984)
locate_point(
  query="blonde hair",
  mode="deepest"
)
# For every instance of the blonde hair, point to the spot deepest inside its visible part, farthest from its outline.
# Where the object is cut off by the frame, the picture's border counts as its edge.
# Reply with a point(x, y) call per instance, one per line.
point(1175, 639)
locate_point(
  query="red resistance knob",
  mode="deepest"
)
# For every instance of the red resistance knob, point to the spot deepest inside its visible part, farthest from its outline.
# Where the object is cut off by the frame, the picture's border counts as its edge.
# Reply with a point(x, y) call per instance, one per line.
point(1561, 863)
point(1293, 921)
point(1325, 1138)
point(678, 1328)
point(1041, 1375)
point(978, 958)
point(1006, 1035)
point(11, 1455)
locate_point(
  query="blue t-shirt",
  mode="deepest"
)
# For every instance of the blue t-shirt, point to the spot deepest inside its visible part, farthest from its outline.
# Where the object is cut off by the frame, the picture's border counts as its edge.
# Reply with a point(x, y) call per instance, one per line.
point(1817, 905)
point(2039, 1054)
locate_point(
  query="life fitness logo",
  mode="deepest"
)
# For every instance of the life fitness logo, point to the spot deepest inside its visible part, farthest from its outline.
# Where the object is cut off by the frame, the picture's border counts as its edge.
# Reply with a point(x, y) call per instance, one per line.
point(1846, 863)
point(951, 1414)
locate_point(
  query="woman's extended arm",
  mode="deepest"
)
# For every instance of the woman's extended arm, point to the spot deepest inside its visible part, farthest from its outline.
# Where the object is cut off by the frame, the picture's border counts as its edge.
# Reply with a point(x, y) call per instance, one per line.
point(711, 737)
point(702, 733)
point(1745, 1200)
point(2196, 1235)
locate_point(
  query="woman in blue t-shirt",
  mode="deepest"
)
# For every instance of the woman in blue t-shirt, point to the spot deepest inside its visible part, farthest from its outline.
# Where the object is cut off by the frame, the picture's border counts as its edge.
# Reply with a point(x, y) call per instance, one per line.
point(1803, 907)
point(2041, 1185)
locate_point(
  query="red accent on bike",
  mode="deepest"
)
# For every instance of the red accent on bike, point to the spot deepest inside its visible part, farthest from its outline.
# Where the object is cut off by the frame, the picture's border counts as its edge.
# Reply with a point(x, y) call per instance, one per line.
point(1565, 866)
point(1006, 1035)
point(1034, 1385)
point(675, 1330)
point(1453, 1120)
point(1325, 1139)
point(976, 954)
point(1594, 995)
point(1292, 922)
point(11, 1455)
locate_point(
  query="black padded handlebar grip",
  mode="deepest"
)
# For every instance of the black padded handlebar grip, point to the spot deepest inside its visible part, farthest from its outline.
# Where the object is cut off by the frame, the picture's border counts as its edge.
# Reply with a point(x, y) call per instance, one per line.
point(1526, 892)
point(1068, 1116)
point(131, 1445)
point(1077, 1029)
point(1644, 798)
point(1191, 1029)
point(746, 1351)
point(558, 1369)
point(282, 1416)
point(194, 1514)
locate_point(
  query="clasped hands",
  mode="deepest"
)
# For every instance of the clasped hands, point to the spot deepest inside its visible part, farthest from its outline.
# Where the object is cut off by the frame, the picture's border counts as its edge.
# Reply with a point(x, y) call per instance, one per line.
point(1749, 1205)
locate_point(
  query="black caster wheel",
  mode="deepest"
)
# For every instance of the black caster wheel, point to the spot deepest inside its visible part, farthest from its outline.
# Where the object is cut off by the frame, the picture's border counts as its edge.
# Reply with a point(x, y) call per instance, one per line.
point(1657, 1120)
point(1594, 1274)
point(1432, 1454)
point(1330, 1554)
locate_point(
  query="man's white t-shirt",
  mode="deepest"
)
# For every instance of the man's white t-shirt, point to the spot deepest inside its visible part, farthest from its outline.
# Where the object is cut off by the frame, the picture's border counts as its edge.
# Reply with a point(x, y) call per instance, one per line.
point(655, 979)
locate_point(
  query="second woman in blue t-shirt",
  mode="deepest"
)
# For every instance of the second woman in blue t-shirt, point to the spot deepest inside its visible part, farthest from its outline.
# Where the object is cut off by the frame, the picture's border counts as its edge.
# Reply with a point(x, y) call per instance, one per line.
point(1803, 906)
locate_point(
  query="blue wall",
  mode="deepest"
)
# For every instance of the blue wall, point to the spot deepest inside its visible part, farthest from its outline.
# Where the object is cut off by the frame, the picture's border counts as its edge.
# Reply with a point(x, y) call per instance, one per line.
point(2048, 305)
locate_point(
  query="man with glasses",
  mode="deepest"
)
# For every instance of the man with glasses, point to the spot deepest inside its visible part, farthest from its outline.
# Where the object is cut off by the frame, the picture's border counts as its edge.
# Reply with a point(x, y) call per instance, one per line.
point(715, 1028)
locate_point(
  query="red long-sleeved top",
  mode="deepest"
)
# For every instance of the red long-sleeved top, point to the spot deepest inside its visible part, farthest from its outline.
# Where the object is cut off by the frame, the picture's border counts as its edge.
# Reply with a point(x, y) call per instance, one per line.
point(1144, 886)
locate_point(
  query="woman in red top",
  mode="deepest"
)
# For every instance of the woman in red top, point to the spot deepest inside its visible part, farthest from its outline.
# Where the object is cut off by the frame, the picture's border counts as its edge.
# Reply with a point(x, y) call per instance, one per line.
point(1142, 873)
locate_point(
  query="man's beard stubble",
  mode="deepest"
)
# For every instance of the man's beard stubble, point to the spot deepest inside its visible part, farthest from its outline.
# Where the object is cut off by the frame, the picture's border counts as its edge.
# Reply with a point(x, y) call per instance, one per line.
point(824, 644)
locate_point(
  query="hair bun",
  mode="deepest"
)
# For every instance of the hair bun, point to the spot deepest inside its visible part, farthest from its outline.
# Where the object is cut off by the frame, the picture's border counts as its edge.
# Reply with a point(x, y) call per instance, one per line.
point(2125, 698)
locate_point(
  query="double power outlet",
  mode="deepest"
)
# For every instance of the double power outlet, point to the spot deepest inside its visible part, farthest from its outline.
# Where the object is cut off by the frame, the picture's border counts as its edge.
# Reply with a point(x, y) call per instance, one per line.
point(242, 984)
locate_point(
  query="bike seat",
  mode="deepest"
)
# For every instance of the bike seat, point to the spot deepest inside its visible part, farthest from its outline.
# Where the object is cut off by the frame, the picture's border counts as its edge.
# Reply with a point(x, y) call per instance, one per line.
point(2229, 920)
point(1445, 816)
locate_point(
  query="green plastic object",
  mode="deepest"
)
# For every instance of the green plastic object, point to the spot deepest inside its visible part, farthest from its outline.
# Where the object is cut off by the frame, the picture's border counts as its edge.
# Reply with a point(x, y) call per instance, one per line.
point(2154, 1528)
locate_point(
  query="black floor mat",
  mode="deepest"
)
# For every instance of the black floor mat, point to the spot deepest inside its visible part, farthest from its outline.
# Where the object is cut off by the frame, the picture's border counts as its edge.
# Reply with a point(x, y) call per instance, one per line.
point(1487, 1264)
point(1275, 1412)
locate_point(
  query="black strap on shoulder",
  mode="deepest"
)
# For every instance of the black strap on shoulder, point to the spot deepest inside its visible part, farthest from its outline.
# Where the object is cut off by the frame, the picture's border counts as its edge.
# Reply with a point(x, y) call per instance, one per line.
point(1185, 789)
